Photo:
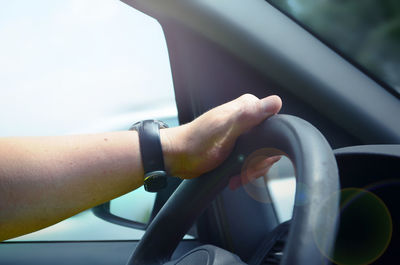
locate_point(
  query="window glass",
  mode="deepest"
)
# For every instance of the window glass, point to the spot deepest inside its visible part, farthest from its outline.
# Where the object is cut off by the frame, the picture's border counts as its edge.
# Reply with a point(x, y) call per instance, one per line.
point(78, 66)
point(281, 183)
point(367, 31)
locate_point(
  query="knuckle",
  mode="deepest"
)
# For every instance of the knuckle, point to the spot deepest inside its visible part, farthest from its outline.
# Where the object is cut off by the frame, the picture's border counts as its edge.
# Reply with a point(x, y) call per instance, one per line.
point(248, 99)
point(248, 105)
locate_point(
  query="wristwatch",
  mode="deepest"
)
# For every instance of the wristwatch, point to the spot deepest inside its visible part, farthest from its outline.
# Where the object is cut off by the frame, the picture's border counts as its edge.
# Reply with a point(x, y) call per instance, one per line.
point(155, 176)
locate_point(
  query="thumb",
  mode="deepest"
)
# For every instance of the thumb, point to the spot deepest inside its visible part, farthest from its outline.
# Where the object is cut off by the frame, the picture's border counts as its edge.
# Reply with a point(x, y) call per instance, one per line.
point(253, 110)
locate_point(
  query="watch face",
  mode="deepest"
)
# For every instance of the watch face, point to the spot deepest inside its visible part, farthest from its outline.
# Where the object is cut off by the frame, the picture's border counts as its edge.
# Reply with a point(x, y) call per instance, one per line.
point(154, 174)
point(161, 124)
point(136, 125)
point(155, 181)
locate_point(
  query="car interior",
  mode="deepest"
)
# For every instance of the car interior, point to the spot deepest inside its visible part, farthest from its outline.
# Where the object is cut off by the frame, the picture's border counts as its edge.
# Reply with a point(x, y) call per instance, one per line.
point(339, 128)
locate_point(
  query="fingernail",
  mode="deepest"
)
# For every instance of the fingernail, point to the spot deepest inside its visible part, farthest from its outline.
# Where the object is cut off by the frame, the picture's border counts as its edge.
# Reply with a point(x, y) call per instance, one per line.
point(271, 104)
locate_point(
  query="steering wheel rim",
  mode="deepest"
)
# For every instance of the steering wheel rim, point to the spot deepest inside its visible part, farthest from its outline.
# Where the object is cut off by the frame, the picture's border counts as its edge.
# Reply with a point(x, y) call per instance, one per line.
point(315, 167)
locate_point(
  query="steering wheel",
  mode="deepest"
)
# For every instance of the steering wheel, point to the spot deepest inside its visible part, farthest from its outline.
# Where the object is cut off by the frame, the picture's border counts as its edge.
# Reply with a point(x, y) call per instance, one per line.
point(313, 226)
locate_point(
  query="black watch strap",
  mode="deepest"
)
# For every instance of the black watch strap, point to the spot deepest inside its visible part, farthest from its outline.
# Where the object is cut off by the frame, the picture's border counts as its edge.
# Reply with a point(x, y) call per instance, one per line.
point(152, 155)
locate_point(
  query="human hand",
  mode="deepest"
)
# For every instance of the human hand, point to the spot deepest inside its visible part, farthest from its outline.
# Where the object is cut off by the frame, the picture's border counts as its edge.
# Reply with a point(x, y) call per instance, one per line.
point(195, 148)
point(254, 171)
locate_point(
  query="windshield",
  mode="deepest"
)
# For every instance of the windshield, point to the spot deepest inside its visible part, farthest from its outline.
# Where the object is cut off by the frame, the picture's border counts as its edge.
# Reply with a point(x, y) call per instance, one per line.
point(366, 31)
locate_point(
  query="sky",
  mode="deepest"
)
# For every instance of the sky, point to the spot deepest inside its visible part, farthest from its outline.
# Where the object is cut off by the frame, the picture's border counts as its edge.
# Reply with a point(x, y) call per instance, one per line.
point(80, 66)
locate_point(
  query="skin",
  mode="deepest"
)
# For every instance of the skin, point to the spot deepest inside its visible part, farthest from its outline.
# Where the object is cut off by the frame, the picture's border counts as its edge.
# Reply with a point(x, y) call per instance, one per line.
point(44, 180)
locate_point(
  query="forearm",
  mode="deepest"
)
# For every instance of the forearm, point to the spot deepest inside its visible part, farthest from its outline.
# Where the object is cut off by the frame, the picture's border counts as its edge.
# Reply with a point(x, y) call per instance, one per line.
point(44, 180)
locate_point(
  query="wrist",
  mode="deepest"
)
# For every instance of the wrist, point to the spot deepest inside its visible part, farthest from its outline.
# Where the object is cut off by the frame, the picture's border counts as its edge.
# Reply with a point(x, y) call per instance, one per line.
point(173, 147)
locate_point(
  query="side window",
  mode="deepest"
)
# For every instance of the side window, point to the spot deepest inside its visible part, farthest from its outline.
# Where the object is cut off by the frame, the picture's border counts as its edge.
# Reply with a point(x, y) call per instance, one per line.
point(88, 66)
point(367, 32)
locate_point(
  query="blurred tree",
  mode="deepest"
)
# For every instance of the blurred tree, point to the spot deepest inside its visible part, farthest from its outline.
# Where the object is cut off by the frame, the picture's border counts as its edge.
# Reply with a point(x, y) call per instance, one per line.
point(368, 31)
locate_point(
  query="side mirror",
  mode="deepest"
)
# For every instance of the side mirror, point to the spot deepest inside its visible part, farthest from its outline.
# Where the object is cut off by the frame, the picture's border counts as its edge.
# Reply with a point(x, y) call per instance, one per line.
point(120, 211)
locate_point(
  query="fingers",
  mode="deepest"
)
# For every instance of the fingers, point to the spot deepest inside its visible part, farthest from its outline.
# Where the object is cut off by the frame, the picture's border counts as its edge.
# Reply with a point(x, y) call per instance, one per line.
point(207, 141)
point(254, 172)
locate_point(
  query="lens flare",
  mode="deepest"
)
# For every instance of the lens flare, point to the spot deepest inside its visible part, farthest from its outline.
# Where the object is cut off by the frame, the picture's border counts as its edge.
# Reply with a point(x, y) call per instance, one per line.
point(365, 228)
